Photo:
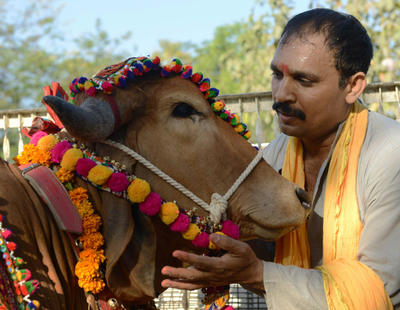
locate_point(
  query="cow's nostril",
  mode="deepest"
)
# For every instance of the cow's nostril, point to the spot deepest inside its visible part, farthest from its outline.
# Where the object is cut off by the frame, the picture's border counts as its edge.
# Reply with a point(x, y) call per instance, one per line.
point(304, 197)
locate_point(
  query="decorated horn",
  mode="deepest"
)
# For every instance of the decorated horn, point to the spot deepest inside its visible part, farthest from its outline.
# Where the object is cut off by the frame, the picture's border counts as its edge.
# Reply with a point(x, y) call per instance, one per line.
point(94, 120)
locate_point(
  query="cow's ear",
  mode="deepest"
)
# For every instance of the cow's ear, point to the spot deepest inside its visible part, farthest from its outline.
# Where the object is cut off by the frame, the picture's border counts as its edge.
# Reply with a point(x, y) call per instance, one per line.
point(130, 251)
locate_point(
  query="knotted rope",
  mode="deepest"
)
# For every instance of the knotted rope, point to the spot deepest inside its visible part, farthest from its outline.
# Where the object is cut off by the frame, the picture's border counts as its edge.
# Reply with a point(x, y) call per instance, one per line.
point(218, 205)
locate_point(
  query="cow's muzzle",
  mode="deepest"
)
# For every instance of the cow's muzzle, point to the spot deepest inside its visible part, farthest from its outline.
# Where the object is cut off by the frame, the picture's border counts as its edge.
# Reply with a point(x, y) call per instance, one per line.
point(304, 197)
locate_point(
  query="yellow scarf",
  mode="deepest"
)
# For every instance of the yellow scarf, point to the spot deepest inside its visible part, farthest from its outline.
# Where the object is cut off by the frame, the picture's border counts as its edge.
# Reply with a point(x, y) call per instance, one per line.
point(348, 283)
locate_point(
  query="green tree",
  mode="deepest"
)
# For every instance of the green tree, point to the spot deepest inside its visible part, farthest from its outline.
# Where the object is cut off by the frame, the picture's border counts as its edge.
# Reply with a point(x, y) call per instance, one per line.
point(24, 65)
point(170, 50)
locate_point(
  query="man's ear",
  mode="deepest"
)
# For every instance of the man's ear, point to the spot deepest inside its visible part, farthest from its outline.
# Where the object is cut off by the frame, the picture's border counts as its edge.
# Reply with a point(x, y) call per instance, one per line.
point(355, 86)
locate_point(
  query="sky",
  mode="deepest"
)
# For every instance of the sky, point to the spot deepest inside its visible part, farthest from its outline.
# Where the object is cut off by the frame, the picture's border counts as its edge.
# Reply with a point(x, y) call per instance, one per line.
point(152, 20)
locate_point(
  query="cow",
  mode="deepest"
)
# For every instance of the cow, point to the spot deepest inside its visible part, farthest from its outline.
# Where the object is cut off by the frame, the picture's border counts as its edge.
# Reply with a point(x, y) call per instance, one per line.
point(165, 117)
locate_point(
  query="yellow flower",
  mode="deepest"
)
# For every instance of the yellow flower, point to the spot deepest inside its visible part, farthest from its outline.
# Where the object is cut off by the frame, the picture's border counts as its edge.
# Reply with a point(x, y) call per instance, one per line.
point(25, 157)
point(32, 155)
point(92, 256)
point(91, 224)
point(84, 208)
point(99, 174)
point(64, 175)
point(70, 158)
point(95, 285)
point(42, 157)
point(138, 190)
point(47, 143)
point(86, 269)
point(78, 195)
point(92, 241)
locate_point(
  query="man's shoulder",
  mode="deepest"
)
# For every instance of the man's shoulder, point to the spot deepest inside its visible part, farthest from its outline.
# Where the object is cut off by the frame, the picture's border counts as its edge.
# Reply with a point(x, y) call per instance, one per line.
point(383, 131)
point(274, 153)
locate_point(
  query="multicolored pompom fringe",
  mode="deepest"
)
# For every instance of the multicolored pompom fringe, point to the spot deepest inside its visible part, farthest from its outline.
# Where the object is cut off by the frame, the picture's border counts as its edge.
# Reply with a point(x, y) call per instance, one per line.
point(16, 285)
point(120, 74)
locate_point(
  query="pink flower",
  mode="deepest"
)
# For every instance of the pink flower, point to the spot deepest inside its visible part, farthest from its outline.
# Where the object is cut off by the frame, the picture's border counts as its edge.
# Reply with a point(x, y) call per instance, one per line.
point(59, 150)
point(181, 224)
point(151, 205)
point(118, 182)
point(37, 136)
point(83, 166)
point(230, 229)
point(202, 240)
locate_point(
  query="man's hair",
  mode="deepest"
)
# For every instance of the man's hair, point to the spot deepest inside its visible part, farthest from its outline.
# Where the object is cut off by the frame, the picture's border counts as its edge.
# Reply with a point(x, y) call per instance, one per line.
point(344, 35)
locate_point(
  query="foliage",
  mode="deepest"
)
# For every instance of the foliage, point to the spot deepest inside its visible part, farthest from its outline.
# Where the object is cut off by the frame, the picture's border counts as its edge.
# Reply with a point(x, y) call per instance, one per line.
point(29, 61)
point(23, 63)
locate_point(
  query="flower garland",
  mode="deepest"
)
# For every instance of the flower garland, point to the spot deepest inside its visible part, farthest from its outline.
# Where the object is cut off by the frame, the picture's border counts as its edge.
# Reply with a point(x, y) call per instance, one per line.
point(70, 160)
point(119, 75)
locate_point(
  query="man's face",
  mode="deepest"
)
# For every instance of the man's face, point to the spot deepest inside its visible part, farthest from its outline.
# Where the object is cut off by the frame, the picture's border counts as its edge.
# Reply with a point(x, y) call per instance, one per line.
point(305, 88)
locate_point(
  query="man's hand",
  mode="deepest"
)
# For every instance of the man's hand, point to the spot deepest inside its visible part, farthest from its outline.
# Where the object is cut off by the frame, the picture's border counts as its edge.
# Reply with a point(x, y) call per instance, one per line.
point(238, 265)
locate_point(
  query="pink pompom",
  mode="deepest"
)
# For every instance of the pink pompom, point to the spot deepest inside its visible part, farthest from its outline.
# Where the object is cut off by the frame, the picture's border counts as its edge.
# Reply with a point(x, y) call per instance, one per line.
point(83, 166)
point(228, 308)
point(230, 229)
point(181, 224)
point(37, 136)
point(91, 91)
point(118, 182)
point(6, 233)
point(202, 240)
point(151, 205)
point(59, 150)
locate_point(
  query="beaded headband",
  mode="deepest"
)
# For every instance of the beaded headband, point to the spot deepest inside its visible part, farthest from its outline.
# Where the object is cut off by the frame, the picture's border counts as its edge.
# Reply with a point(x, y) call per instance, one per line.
point(118, 75)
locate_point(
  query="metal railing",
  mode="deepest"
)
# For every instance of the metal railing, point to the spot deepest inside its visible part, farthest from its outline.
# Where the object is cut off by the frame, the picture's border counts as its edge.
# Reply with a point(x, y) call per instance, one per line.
point(382, 97)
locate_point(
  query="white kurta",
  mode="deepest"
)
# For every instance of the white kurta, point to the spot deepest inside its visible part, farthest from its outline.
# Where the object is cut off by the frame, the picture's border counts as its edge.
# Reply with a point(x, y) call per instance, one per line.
point(378, 191)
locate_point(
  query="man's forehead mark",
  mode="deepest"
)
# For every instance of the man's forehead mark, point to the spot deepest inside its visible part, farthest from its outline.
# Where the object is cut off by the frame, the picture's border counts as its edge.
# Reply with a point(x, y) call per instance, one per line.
point(284, 68)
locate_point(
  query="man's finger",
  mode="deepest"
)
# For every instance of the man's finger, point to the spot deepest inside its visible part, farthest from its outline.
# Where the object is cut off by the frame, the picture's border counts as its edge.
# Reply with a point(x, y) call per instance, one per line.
point(231, 245)
point(198, 261)
point(185, 274)
point(181, 285)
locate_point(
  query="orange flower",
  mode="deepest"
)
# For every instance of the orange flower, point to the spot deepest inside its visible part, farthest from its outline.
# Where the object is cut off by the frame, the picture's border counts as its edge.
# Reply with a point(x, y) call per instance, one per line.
point(92, 241)
point(92, 256)
point(32, 155)
point(78, 195)
point(42, 157)
point(91, 224)
point(64, 175)
point(84, 208)
point(86, 269)
point(95, 285)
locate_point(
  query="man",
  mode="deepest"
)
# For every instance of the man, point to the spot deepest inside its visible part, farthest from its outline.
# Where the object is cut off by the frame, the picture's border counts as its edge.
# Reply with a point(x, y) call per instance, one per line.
point(347, 255)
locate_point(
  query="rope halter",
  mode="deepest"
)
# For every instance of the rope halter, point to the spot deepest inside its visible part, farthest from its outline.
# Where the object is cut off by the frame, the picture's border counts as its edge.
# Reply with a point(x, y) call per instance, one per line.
point(218, 205)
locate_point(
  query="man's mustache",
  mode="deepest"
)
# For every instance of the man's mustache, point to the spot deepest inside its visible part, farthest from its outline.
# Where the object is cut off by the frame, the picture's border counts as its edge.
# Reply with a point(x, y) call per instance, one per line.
point(285, 108)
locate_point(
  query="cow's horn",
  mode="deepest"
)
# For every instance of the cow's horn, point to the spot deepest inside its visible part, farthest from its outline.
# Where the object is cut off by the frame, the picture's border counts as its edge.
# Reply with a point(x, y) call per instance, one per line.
point(92, 121)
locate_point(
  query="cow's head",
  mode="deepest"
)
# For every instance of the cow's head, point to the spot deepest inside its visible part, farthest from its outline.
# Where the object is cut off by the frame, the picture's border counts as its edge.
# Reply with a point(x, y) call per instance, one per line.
point(170, 122)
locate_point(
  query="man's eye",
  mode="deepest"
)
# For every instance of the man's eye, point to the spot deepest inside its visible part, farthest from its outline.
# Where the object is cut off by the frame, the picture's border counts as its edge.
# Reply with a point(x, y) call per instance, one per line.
point(183, 110)
point(277, 75)
point(305, 82)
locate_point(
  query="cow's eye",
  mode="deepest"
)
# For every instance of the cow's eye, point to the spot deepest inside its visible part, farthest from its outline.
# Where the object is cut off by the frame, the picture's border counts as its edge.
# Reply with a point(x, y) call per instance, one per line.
point(183, 110)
